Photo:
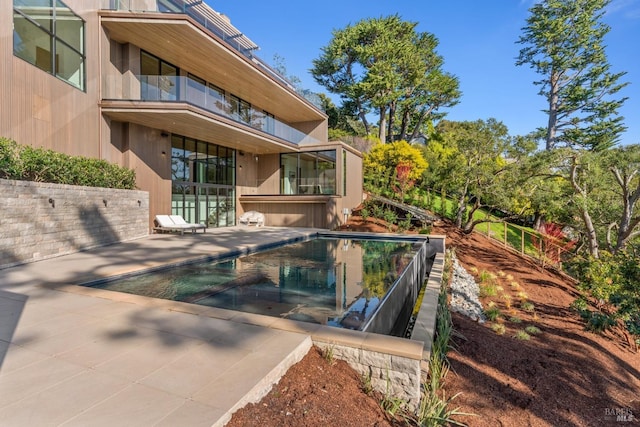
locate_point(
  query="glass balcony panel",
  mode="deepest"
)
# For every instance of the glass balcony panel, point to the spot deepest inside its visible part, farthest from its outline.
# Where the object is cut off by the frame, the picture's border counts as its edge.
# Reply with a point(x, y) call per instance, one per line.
point(166, 88)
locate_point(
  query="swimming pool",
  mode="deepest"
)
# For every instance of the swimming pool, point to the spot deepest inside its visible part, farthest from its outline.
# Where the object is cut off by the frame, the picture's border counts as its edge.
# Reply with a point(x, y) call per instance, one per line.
point(341, 280)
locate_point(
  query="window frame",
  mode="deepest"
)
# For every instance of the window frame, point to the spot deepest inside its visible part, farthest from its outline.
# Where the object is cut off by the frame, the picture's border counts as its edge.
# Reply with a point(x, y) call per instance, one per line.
point(20, 11)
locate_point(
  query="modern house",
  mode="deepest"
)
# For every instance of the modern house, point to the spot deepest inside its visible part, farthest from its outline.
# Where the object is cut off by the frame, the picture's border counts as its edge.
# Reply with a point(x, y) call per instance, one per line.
point(172, 90)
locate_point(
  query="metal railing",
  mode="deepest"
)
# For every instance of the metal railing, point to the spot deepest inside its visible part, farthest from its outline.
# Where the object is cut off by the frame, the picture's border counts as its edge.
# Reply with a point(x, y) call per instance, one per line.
point(186, 90)
point(212, 21)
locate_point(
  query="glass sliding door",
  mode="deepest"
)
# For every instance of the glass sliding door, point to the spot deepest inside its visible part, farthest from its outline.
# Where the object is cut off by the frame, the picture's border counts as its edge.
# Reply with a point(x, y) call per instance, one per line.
point(203, 177)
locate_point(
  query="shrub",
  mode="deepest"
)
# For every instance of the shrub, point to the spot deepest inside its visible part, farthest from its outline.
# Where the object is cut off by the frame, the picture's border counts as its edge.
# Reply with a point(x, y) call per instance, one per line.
point(425, 230)
point(527, 306)
point(498, 328)
point(612, 283)
point(488, 290)
point(37, 164)
point(532, 330)
point(390, 217)
point(522, 335)
point(492, 313)
point(364, 212)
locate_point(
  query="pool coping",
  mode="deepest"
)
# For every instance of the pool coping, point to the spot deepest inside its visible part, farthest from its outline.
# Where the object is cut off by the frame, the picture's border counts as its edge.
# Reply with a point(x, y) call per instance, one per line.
point(417, 348)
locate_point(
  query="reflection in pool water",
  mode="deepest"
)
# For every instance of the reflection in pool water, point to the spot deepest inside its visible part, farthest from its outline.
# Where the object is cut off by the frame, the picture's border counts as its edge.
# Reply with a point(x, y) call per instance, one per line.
point(331, 281)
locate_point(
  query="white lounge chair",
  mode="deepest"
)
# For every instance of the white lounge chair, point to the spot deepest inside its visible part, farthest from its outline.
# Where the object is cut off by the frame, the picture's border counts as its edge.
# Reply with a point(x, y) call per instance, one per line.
point(176, 223)
point(252, 217)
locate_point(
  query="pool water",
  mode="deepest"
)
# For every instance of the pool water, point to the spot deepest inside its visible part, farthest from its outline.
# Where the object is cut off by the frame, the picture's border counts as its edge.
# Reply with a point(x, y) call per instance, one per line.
point(326, 280)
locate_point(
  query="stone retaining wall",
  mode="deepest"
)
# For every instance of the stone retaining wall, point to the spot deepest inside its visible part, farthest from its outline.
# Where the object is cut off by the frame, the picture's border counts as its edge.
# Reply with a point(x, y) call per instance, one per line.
point(394, 376)
point(41, 220)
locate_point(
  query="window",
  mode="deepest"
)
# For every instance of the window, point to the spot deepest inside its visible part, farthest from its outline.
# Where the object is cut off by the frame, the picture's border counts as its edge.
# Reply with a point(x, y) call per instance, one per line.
point(47, 34)
point(159, 79)
point(196, 90)
point(203, 179)
point(312, 172)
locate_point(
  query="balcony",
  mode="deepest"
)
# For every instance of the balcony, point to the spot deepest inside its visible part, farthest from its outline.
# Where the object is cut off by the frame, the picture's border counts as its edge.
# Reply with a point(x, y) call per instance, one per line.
point(217, 24)
point(152, 95)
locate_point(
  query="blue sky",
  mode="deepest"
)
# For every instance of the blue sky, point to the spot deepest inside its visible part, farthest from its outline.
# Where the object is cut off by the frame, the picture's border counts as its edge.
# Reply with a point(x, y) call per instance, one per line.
point(477, 42)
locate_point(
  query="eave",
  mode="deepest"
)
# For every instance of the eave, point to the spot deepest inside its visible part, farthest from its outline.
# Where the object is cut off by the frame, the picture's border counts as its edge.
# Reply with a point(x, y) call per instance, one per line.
point(186, 44)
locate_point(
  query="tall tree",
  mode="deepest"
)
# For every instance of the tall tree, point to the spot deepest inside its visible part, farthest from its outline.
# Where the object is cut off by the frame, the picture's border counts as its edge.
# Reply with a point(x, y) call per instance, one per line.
point(379, 65)
point(564, 42)
point(470, 158)
point(603, 201)
point(624, 164)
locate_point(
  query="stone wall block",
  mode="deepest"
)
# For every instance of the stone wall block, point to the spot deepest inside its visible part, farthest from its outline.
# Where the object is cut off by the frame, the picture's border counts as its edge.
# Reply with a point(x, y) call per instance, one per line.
point(41, 220)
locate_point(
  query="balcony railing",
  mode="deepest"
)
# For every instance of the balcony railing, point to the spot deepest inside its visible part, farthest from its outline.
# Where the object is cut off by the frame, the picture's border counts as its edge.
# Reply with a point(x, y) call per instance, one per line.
point(212, 21)
point(186, 90)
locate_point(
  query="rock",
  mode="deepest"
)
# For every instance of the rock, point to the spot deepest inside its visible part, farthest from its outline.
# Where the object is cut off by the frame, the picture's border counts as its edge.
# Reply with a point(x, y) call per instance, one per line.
point(465, 294)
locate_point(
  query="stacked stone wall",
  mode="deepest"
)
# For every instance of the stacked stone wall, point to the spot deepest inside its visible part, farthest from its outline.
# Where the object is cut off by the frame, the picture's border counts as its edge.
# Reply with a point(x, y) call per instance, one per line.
point(41, 220)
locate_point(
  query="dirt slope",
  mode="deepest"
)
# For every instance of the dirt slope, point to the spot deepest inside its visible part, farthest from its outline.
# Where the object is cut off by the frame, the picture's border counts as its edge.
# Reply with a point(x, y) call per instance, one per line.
point(561, 376)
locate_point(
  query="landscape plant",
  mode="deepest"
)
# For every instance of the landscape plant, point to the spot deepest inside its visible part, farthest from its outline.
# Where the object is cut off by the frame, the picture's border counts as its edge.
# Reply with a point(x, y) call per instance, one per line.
point(552, 243)
point(26, 163)
point(563, 41)
point(435, 408)
point(384, 66)
point(611, 285)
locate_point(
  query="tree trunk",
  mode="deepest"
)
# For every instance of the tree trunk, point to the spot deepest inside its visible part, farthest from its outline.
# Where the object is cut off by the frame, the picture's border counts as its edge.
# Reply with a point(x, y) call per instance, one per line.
point(392, 113)
point(553, 111)
point(629, 199)
point(404, 124)
point(425, 112)
point(462, 205)
point(383, 126)
point(363, 117)
point(538, 219)
point(592, 237)
point(470, 224)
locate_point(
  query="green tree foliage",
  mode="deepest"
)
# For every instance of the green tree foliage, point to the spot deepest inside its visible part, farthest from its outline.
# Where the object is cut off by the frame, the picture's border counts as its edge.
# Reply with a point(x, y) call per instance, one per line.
point(624, 165)
point(381, 163)
point(468, 159)
point(564, 42)
point(601, 193)
point(612, 283)
point(383, 65)
point(36, 164)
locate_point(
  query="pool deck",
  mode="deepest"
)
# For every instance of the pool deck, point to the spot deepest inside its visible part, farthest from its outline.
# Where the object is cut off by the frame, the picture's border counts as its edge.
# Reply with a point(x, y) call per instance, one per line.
point(77, 359)
point(77, 356)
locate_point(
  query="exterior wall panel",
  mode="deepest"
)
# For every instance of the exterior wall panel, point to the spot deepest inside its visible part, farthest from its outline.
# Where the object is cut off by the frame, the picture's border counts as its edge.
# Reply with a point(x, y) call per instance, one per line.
point(40, 110)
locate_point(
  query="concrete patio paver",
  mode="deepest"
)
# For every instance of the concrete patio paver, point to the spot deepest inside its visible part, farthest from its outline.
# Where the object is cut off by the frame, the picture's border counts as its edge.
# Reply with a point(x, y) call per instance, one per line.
point(73, 356)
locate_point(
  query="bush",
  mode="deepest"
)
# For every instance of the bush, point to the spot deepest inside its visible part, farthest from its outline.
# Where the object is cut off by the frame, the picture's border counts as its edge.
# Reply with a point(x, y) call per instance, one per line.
point(612, 283)
point(37, 164)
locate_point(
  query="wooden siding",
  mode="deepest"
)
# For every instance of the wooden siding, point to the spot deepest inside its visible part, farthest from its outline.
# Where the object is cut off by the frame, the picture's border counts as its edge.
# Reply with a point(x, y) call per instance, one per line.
point(41, 110)
point(294, 211)
point(184, 43)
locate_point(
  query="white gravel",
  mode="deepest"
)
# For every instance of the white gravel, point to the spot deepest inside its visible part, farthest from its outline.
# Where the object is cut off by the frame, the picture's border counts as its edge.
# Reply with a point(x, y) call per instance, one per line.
point(464, 294)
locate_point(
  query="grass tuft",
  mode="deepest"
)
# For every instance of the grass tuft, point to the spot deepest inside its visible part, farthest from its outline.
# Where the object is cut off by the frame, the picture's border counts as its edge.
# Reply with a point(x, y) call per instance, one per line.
point(522, 335)
point(488, 290)
point(532, 330)
point(499, 328)
point(492, 313)
point(528, 306)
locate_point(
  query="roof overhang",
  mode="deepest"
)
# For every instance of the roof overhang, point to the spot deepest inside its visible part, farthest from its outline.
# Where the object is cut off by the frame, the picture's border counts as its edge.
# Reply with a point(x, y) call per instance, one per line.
point(182, 41)
point(187, 120)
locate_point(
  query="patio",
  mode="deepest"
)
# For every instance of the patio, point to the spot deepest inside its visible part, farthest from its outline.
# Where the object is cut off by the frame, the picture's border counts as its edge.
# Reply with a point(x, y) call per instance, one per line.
point(71, 357)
